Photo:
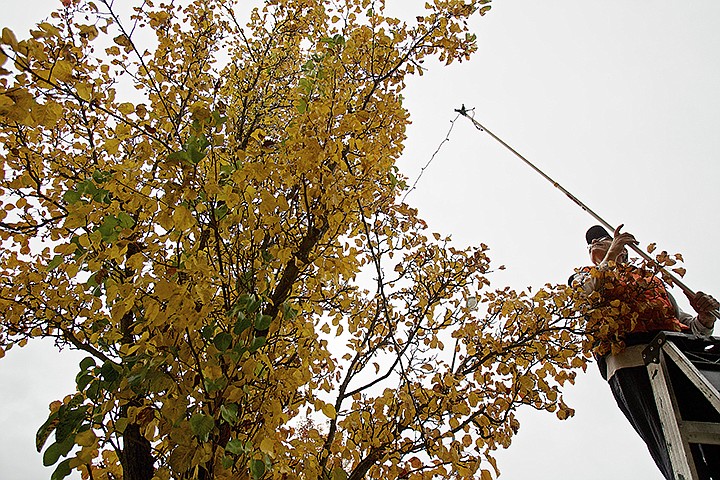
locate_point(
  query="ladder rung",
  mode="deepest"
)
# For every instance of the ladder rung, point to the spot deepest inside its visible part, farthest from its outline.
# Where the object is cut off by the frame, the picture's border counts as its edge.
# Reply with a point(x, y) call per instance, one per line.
point(700, 432)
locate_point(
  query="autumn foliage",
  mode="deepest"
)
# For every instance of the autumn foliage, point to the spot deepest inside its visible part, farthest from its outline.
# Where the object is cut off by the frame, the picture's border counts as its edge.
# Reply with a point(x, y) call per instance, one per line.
point(208, 207)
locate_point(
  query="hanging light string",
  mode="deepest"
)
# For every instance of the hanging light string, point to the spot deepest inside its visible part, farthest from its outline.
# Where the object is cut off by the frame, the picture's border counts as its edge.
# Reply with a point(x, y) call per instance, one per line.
point(422, 170)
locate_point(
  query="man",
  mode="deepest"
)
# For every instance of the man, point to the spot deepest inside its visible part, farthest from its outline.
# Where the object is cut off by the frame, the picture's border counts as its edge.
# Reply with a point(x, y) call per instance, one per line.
point(642, 307)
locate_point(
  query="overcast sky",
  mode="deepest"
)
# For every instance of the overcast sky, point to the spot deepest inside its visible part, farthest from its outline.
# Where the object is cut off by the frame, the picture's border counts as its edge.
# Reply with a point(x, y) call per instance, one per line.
point(619, 101)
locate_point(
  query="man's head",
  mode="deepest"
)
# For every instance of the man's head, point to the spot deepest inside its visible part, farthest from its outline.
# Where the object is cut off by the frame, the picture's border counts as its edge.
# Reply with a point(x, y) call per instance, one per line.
point(598, 240)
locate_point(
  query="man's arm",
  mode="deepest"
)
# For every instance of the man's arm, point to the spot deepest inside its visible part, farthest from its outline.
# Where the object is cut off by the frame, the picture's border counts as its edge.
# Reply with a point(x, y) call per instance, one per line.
point(704, 305)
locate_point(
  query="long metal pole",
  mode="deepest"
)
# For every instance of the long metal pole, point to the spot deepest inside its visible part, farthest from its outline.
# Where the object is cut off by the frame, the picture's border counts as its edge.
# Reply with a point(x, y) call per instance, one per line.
point(462, 111)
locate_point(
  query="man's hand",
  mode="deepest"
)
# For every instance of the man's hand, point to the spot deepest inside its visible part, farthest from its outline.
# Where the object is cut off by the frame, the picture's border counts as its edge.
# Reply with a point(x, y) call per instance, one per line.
point(704, 305)
point(619, 241)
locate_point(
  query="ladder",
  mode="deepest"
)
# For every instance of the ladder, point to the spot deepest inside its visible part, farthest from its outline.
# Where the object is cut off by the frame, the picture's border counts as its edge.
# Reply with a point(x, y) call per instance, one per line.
point(685, 369)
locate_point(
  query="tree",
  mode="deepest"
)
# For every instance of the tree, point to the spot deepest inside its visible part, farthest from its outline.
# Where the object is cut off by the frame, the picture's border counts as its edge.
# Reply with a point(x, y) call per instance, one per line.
point(227, 246)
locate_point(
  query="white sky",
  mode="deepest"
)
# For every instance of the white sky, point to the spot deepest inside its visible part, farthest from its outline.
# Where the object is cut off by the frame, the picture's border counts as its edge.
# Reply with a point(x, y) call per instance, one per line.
point(616, 100)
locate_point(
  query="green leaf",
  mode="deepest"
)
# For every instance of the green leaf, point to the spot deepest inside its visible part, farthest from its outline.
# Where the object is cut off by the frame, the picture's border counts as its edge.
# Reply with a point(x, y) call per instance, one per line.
point(207, 332)
point(245, 299)
point(195, 148)
point(218, 119)
point(262, 322)
point(108, 228)
point(56, 450)
point(125, 220)
point(221, 211)
point(93, 391)
point(213, 385)
point(45, 430)
point(121, 424)
point(62, 470)
point(229, 413)
point(253, 305)
point(86, 363)
point(79, 250)
point(70, 422)
point(109, 372)
point(222, 341)
point(235, 446)
point(289, 311)
point(339, 474)
point(257, 468)
point(101, 177)
point(102, 196)
point(306, 85)
point(242, 324)
point(308, 66)
point(201, 425)
point(181, 157)
point(72, 196)
point(258, 342)
point(83, 381)
point(57, 260)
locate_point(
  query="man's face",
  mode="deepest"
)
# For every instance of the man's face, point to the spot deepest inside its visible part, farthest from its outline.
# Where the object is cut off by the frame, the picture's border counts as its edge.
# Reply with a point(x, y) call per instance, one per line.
point(598, 248)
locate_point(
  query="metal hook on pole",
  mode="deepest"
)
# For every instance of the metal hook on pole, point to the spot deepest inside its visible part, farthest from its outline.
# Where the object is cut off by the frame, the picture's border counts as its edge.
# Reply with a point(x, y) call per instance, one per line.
point(464, 112)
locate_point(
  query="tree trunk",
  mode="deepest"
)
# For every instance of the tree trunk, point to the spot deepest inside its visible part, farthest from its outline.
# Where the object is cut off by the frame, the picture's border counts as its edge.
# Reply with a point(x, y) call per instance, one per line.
point(136, 455)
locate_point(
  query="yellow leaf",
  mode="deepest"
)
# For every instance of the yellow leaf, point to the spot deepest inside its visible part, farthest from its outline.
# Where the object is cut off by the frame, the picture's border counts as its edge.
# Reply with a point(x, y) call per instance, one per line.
point(680, 271)
point(112, 145)
point(86, 438)
point(123, 41)
point(267, 445)
point(8, 37)
point(182, 218)
point(62, 70)
point(84, 91)
point(49, 29)
point(329, 411)
point(126, 108)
